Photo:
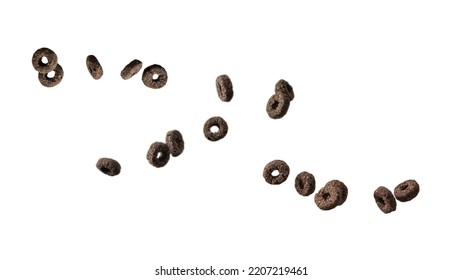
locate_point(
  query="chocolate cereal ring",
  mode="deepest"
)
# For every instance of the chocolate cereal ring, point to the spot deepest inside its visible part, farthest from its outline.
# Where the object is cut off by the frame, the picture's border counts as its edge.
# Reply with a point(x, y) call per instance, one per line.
point(224, 88)
point(328, 197)
point(281, 167)
point(284, 87)
point(342, 188)
point(158, 154)
point(44, 67)
point(305, 183)
point(277, 106)
point(131, 69)
point(154, 76)
point(218, 122)
point(385, 200)
point(55, 79)
point(406, 190)
point(108, 166)
point(94, 67)
point(174, 140)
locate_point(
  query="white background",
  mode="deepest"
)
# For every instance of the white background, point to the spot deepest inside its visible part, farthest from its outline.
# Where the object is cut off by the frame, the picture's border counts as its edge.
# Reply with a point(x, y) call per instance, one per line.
point(377, 101)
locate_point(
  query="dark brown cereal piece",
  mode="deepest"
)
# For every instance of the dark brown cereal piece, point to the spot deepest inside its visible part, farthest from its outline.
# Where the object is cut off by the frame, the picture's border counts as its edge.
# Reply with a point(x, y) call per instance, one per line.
point(131, 69)
point(342, 188)
point(174, 140)
point(328, 197)
point(406, 190)
point(224, 88)
point(281, 167)
point(154, 82)
point(94, 67)
point(284, 87)
point(305, 183)
point(385, 200)
point(39, 65)
point(277, 106)
point(218, 122)
point(158, 154)
point(52, 78)
point(108, 166)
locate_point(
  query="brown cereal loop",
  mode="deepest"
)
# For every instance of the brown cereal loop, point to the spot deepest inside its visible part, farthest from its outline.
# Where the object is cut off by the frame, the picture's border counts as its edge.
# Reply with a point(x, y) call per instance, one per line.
point(108, 166)
point(284, 87)
point(305, 183)
point(277, 106)
point(218, 122)
point(406, 190)
point(328, 197)
point(131, 69)
point(385, 200)
point(278, 165)
point(39, 65)
point(94, 67)
point(174, 140)
point(342, 188)
point(154, 82)
point(158, 154)
point(47, 81)
point(224, 88)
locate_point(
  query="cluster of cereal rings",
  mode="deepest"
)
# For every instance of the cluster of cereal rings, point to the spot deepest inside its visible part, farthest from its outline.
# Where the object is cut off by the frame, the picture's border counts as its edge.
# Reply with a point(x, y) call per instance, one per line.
point(96, 71)
point(404, 192)
point(225, 92)
point(45, 61)
point(158, 154)
point(278, 103)
point(333, 194)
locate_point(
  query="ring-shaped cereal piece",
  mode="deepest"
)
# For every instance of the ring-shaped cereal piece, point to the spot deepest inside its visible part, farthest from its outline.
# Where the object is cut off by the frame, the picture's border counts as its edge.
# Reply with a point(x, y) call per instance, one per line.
point(158, 154)
point(407, 190)
point(47, 81)
point(342, 188)
point(224, 88)
point(39, 65)
point(131, 69)
point(278, 105)
point(305, 183)
point(218, 122)
point(108, 166)
point(385, 200)
point(328, 197)
point(94, 67)
point(154, 82)
point(174, 140)
point(281, 167)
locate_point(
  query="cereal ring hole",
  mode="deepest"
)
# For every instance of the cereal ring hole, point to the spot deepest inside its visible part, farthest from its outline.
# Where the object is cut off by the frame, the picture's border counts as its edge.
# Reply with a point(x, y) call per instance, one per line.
point(326, 196)
point(159, 155)
point(155, 76)
point(275, 173)
point(275, 104)
point(105, 170)
point(380, 201)
point(43, 61)
point(51, 74)
point(300, 184)
point(214, 129)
